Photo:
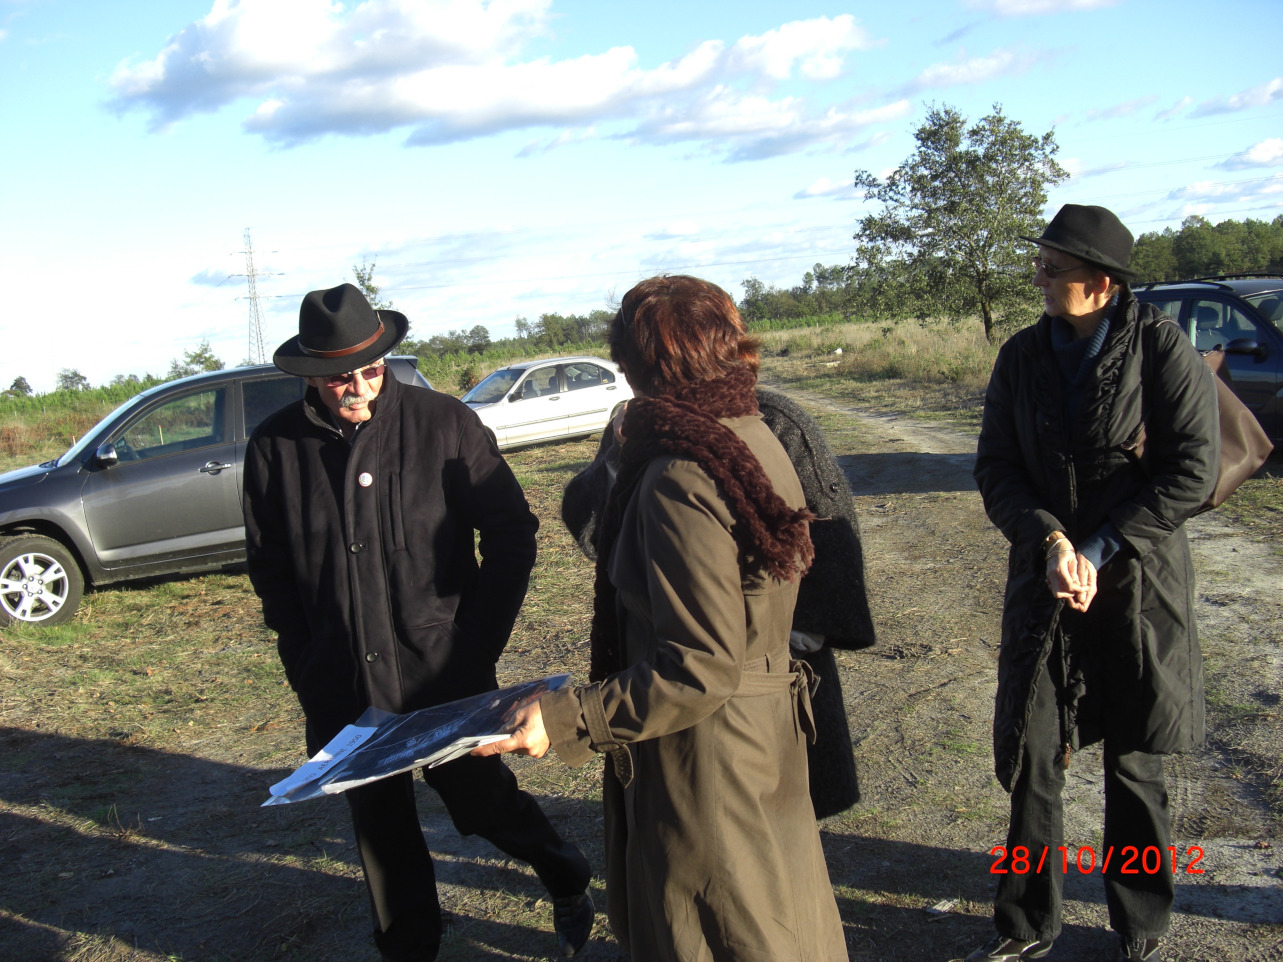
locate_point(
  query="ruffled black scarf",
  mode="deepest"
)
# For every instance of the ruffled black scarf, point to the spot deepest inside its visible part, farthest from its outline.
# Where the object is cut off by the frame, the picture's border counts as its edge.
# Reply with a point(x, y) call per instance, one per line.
point(773, 536)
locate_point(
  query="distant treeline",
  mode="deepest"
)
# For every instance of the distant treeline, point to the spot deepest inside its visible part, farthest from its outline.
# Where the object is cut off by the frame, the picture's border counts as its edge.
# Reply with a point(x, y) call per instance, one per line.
point(1198, 249)
point(1203, 249)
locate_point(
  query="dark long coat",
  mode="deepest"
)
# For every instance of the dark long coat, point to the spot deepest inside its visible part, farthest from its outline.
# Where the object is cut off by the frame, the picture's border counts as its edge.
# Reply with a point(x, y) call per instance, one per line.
point(712, 852)
point(1133, 672)
point(363, 553)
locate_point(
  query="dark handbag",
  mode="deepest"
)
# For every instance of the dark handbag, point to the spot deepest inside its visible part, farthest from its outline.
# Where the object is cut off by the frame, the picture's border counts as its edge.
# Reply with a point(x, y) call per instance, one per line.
point(1244, 444)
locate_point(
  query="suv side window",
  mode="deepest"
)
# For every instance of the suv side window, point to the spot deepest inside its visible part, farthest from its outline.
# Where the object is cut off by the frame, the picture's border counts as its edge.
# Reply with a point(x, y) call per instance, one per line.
point(266, 396)
point(183, 424)
point(1170, 306)
point(1216, 324)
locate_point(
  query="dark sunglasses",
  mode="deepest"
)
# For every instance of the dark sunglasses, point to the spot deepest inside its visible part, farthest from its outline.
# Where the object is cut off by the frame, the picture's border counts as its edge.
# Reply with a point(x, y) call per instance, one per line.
point(369, 374)
point(1040, 265)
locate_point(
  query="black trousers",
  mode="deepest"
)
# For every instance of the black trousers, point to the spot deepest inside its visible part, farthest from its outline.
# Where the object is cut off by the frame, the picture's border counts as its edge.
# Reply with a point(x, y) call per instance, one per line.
point(1028, 905)
point(482, 797)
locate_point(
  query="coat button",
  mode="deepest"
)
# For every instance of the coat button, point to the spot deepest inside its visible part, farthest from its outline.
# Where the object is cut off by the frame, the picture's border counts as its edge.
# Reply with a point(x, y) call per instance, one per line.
point(371, 656)
point(356, 547)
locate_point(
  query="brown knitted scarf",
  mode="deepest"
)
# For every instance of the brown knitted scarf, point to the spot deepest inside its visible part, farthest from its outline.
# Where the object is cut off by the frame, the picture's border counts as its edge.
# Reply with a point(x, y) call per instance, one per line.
point(685, 424)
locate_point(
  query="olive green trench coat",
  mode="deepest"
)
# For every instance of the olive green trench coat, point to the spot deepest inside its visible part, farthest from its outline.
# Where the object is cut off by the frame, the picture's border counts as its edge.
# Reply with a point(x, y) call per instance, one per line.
point(712, 851)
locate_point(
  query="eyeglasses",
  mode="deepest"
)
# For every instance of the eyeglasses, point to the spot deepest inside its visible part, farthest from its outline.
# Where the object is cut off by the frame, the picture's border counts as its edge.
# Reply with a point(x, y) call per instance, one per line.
point(1041, 265)
point(369, 374)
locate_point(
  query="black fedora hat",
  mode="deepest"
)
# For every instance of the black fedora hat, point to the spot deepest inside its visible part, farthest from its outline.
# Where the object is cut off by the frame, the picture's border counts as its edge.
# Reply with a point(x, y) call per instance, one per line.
point(1092, 234)
point(338, 331)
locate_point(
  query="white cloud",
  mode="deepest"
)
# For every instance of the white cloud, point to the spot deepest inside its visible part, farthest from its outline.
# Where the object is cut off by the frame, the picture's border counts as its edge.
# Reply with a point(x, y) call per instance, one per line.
point(681, 228)
point(1268, 153)
point(1026, 8)
point(970, 71)
point(1257, 96)
point(210, 277)
point(1258, 191)
point(826, 188)
point(1125, 109)
point(450, 70)
point(816, 47)
point(1076, 169)
point(751, 127)
point(1174, 109)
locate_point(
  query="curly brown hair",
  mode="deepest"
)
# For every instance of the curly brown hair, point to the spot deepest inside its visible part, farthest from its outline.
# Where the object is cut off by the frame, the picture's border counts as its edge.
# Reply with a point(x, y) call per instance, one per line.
point(675, 330)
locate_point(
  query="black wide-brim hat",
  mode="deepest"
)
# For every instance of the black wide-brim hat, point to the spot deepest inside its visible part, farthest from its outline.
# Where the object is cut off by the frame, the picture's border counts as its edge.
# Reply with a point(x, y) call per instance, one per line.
point(338, 331)
point(1092, 234)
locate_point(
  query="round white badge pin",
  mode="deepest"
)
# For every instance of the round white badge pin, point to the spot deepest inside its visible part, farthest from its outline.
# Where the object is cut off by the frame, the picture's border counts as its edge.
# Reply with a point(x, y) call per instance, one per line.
point(364, 479)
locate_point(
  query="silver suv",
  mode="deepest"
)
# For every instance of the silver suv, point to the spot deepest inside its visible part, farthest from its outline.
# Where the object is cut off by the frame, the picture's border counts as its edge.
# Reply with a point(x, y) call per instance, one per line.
point(153, 489)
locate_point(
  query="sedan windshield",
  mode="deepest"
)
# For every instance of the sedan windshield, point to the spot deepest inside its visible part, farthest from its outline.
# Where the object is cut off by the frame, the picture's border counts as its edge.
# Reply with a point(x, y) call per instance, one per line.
point(1270, 304)
point(493, 387)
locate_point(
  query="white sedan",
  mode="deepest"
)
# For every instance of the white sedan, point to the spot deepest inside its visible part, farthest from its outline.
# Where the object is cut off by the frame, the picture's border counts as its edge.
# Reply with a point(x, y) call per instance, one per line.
point(549, 400)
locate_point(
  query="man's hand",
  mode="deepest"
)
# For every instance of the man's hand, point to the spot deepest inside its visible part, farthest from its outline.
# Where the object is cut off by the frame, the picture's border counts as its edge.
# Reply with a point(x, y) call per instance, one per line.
point(529, 737)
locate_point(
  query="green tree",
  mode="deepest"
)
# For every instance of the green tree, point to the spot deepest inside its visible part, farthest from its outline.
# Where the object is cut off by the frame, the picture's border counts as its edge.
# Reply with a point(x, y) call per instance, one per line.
point(1154, 257)
point(200, 359)
point(19, 387)
point(364, 275)
point(954, 210)
point(1201, 249)
point(753, 307)
point(69, 379)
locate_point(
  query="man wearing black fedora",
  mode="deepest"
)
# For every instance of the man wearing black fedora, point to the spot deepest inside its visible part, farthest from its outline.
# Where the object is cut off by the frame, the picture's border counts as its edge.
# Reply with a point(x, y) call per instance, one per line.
point(361, 503)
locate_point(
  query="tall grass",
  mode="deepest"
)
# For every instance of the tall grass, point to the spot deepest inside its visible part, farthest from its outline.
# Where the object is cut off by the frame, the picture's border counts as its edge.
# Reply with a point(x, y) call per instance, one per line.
point(930, 353)
point(43, 426)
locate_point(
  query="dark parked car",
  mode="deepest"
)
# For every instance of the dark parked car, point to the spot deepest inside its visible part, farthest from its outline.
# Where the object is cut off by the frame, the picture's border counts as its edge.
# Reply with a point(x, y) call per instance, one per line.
point(153, 489)
point(1244, 315)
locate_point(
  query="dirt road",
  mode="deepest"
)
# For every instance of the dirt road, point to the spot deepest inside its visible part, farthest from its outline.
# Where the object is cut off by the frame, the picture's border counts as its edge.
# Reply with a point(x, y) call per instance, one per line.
point(922, 702)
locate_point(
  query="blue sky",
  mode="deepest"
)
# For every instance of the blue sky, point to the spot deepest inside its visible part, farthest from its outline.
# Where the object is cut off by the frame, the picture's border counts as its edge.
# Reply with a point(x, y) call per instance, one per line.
point(515, 157)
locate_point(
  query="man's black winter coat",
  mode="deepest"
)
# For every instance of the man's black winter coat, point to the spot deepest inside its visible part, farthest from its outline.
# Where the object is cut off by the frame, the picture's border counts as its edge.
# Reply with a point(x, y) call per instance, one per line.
point(363, 553)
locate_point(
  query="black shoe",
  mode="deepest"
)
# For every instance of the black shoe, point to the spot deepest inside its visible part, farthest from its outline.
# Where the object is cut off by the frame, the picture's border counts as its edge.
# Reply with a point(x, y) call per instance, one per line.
point(1002, 949)
point(1144, 949)
point(572, 919)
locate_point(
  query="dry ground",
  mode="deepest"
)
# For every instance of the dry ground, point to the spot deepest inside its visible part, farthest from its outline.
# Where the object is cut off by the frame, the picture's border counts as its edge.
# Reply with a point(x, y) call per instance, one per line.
point(135, 750)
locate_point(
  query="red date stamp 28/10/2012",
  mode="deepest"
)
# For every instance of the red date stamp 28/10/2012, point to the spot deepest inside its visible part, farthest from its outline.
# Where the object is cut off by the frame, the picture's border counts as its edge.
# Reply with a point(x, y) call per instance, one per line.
point(1129, 860)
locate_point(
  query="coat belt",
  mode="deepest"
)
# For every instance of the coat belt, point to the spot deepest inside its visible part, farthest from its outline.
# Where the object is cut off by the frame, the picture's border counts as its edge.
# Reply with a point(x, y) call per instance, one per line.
point(761, 676)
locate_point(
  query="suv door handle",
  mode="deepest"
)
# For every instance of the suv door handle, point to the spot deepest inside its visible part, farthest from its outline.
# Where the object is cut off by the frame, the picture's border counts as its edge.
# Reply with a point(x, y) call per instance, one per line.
point(213, 467)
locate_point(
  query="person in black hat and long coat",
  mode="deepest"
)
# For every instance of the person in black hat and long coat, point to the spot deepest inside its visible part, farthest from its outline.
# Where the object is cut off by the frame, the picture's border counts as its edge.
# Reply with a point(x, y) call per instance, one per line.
point(361, 502)
point(1099, 440)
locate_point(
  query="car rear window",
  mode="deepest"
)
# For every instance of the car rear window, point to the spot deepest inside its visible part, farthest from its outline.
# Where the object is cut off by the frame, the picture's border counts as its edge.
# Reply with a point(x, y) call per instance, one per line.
point(267, 396)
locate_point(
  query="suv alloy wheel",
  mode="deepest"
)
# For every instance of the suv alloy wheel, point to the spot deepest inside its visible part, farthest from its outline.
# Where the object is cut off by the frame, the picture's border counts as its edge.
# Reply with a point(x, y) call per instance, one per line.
point(40, 582)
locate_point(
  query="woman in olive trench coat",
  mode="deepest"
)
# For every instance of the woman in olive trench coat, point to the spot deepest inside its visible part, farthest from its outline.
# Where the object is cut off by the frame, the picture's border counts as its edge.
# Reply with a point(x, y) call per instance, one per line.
point(712, 849)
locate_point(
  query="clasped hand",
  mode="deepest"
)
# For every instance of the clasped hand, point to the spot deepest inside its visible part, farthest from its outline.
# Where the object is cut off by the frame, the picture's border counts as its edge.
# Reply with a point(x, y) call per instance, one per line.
point(1072, 577)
